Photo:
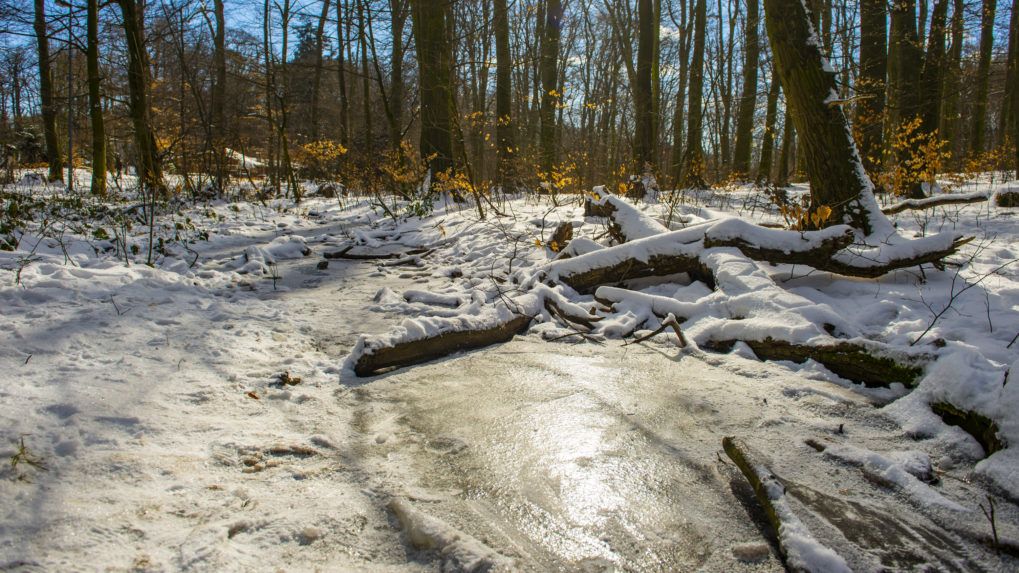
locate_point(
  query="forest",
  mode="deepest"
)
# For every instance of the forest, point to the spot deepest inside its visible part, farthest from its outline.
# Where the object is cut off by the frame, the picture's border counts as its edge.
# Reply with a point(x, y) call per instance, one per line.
point(509, 285)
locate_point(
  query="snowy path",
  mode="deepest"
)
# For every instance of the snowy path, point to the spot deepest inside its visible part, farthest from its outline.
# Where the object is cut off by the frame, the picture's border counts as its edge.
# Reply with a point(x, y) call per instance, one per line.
point(169, 447)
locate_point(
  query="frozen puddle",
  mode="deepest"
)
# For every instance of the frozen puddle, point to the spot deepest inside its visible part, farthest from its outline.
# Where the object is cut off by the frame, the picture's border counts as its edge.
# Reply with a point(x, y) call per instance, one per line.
point(586, 457)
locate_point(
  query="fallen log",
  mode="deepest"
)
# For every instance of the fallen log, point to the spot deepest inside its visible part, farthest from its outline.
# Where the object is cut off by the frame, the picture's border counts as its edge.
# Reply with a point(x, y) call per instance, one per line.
point(870, 268)
point(936, 201)
point(423, 349)
point(800, 550)
point(1008, 198)
point(626, 222)
point(852, 361)
point(982, 428)
point(345, 253)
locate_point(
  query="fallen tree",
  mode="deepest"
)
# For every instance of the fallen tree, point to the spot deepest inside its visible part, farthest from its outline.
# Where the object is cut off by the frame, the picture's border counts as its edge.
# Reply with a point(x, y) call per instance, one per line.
point(935, 201)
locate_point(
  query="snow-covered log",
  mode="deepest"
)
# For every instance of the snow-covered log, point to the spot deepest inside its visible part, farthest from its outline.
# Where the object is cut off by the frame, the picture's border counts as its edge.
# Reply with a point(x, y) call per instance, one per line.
point(868, 363)
point(982, 428)
point(936, 201)
point(802, 552)
point(626, 222)
point(423, 339)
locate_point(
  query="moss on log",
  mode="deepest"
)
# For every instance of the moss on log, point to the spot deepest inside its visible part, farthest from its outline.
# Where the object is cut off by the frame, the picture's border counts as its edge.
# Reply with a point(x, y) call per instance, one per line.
point(849, 360)
point(982, 428)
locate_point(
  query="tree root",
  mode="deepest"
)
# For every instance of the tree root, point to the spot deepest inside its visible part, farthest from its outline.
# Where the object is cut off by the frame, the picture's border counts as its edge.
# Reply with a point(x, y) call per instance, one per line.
point(849, 360)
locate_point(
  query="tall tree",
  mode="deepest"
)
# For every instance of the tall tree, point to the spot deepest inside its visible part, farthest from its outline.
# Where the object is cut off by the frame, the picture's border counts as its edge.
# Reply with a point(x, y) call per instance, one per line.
point(95, 102)
point(837, 178)
point(435, 84)
point(693, 156)
point(684, 27)
point(748, 101)
point(149, 166)
point(219, 93)
point(949, 121)
point(46, 96)
point(644, 141)
point(550, 97)
point(316, 84)
point(341, 67)
point(870, 109)
point(504, 126)
point(977, 143)
point(1013, 52)
point(932, 76)
point(398, 10)
point(768, 144)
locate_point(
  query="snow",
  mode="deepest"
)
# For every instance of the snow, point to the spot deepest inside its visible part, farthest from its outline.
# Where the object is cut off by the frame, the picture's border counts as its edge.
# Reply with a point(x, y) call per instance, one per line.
point(153, 395)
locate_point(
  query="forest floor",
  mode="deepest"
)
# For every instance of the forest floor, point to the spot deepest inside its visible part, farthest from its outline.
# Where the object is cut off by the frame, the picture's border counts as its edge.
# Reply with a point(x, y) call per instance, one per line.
point(198, 414)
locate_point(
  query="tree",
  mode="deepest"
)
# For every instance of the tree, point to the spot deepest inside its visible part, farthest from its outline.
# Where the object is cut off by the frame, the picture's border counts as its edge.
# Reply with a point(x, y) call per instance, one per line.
point(748, 101)
point(344, 127)
point(950, 105)
point(46, 96)
point(693, 158)
point(1013, 59)
point(95, 102)
point(435, 85)
point(932, 76)
point(504, 126)
point(319, 65)
point(549, 74)
point(871, 84)
point(684, 27)
point(149, 167)
point(837, 178)
point(768, 144)
point(983, 76)
point(219, 93)
point(645, 118)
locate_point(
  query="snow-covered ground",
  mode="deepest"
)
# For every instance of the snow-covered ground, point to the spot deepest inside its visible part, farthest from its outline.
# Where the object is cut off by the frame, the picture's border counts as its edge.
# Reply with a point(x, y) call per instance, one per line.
point(167, 438)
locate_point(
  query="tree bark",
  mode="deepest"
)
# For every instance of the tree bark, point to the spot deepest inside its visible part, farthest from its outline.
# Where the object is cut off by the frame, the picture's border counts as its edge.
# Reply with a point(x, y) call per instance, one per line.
point(550, 96)
point(341, 75)
point(837, 177)
point(1010, 113)
point(396, 83)
point(428, 21)
point(504, 125)
point(932, 78)
point(316, 83)
point(219, 94)
point(949, 119)
point(748, 101)
point(644, 152)
point(47, 105)
point(977, 143)
point(768, 145)
point(870, 110)
point(95, 102)
point(693, 153)
point(150, 171)
point(905, 66)
point(677, 119)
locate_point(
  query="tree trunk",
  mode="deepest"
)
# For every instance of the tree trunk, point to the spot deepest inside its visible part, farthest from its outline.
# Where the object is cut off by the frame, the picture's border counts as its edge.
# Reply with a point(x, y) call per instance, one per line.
point(677, 120)
point(316, 83)
point(1010, 111)
point(837, 177)
point(150, 171)
point(768, 145)
point(95, 102)
point(504, 125)
point(428, 21)
point(362, 39)
point(644, 152)
point(977, 143)
point(341, 75)
point(870, 110)
point(47, 106)
point(748, 102)
point(932, 77)
point(550, 97)
point(949, 120)
point(785, 155)
point(219, 94)
point(396, 84)
point(693, 156)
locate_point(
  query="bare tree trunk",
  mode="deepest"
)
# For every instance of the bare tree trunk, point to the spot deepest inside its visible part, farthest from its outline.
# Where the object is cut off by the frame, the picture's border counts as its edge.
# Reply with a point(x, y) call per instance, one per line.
point(785, 156)
point(1010, 111)
point(396, 85)
point(870, 110)
point(362, 33)
point(748, 101)
point(219, 94)
point(435, 84)
point(316, 84)
point(47, 105)
point(837, 177)
point(644, 152)
point(932, 77)
point(150, 171)
point(906, 61)
point(504, 126)
point(693, 157)
point(977, 143)
point(549, 81)
point(342, 75)
point(677, 120)
point(95, 102)
point(768, 145)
